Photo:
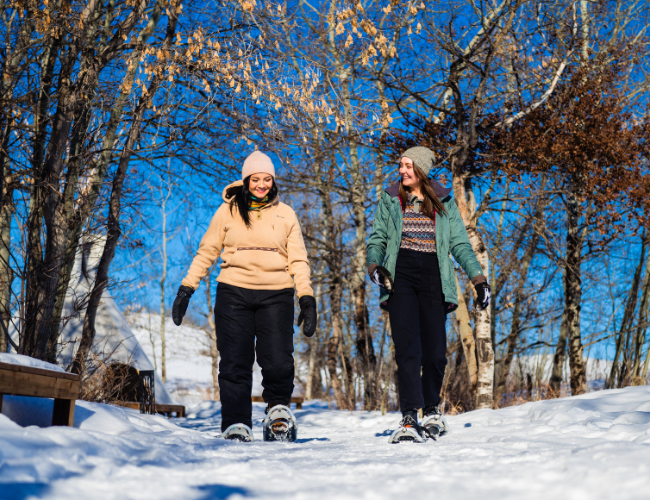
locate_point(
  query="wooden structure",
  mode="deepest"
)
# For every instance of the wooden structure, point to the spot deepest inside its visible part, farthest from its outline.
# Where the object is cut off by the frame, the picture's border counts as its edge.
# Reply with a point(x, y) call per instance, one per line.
point(161, 409)
point(298, 400)
point(16, 380)
point(147, 392)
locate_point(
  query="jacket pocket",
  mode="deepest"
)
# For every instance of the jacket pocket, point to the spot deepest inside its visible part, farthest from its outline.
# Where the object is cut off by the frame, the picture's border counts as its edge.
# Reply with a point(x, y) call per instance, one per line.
point(447, 277)
point(264, 249)
point(254, 259)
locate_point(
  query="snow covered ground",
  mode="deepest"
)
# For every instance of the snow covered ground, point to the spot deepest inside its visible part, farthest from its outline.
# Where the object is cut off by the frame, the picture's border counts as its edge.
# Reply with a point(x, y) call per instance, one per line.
point(595, 446)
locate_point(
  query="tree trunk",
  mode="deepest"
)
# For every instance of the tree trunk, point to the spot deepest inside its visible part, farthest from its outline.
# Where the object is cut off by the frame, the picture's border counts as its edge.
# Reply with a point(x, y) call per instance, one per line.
point(75, 219)
point(153, 345)
point(646, 364)
point(364, 341)
point(358, 198)
point(212, 337)
point(619, 372)
point(515, 326)
point(333, 260)
point(47, 219)
point(467, 339)
point(101, 278)
point(573, 296)
point(496, 250)
point(639, 337)
point(333, 345)
point(6, 272)
point(163, 278)
point(484, 395)
point(311, 367)
point(313, 345)
point(558, 358)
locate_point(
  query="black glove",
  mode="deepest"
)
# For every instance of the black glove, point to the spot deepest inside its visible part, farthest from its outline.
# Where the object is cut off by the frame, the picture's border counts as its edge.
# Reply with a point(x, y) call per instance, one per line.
point(181, 302)
point(483, 293)
point(308, 313)
point(382, 277)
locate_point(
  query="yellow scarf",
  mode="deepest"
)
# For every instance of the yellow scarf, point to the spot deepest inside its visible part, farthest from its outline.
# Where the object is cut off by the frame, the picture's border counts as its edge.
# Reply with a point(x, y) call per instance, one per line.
point(256, 204)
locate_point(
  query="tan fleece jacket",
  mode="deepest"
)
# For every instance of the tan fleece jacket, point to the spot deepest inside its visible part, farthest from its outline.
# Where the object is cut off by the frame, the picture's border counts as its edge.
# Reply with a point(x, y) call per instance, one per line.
point(264, 257)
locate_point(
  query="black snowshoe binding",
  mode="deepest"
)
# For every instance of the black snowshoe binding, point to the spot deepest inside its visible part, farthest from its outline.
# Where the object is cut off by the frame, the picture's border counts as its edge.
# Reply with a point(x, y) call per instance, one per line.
point(409, 430)
point(433, 423)
point(238, 432)
point(280, 424)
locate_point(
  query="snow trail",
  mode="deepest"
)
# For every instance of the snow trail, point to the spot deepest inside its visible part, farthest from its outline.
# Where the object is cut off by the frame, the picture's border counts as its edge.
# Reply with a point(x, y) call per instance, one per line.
point(594, 446)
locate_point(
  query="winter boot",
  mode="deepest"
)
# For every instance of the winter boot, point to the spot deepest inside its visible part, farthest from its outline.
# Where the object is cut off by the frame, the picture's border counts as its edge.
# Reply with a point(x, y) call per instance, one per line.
point(409, 429)
point(238, 432)
point(280, 424)
point(433, 423)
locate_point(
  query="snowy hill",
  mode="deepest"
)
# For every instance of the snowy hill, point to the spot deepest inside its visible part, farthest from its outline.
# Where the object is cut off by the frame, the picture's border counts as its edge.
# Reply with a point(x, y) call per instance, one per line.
point(189, 365)
point(540, 367)
point(189, 368)
point(595, 446)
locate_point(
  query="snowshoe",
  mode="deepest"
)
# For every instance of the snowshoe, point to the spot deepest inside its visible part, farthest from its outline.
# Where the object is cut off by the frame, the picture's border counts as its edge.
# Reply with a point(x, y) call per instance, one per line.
point(409, 431)
point(280, 424)
point(434, 424)
point(238, 432)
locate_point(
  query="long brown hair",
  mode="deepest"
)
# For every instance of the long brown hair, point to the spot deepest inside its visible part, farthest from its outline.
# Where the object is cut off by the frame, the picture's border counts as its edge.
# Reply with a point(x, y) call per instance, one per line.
point(431, 203)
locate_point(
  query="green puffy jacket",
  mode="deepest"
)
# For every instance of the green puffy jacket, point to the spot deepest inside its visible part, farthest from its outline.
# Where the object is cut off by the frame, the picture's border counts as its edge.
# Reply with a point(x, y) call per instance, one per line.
point(451, 236)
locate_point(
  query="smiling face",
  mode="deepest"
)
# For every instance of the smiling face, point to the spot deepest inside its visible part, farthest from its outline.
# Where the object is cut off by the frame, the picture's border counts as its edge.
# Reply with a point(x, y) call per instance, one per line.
point(407, 173)
point(260, 185)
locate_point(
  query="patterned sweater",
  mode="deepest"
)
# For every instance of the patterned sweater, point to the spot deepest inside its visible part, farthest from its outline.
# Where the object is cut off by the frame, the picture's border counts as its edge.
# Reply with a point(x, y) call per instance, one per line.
point(418, 231)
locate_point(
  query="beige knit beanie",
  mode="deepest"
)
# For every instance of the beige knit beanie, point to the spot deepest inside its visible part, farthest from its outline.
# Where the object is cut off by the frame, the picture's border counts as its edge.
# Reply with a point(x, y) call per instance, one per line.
point(257, 163)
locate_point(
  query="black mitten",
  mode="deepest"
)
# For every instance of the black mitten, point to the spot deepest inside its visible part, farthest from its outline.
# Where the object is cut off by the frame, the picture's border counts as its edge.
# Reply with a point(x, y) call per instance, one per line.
point(483, 293)
point(181, 302)
point(382, 277)
point(308, 314)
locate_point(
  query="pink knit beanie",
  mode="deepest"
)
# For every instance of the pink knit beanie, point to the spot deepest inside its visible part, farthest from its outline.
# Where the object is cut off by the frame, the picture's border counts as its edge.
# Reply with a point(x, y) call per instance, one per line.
point(257, 163)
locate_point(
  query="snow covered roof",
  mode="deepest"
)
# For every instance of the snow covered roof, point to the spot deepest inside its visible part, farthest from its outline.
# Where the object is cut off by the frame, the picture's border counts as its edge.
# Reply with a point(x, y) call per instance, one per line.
point(20, 360)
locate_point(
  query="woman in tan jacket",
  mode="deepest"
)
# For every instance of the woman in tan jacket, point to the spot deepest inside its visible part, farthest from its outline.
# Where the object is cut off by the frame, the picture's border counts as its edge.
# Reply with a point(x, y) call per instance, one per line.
point(260, 243)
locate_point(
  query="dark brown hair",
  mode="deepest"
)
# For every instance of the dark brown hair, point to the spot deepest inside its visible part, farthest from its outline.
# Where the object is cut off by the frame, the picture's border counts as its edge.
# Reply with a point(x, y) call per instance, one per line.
point(431, 203)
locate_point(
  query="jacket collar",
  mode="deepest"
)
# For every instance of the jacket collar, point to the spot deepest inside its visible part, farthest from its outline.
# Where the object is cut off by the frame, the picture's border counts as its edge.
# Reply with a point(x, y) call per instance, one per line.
point(441, 192)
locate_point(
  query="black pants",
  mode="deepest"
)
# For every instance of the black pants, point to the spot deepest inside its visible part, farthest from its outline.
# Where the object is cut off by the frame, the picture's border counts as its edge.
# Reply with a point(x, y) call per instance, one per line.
point(241, 317)
point(417, 321)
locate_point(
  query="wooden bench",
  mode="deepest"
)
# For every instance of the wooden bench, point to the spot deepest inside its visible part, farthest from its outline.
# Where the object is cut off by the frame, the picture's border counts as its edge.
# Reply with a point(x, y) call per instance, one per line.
point(16, 380)
point(161, 409)
point(298, 400)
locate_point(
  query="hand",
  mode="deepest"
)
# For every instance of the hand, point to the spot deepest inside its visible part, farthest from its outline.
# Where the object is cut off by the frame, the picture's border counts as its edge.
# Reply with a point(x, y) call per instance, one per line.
point(483, 294)
point(309, 314)
point(371, 268)
point(382, 277)
point(181, 302)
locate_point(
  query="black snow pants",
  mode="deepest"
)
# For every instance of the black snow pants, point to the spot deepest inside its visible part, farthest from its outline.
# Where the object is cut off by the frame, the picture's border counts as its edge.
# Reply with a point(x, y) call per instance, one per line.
point(417, 320)
point(243, 316)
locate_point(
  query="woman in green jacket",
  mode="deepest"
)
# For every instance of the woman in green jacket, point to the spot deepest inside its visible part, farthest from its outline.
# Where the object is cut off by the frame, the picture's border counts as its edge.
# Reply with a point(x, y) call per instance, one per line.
point(417, 225)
